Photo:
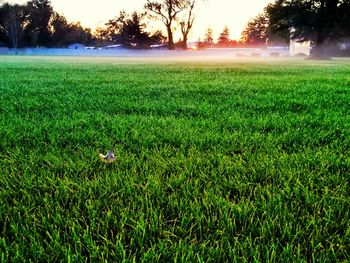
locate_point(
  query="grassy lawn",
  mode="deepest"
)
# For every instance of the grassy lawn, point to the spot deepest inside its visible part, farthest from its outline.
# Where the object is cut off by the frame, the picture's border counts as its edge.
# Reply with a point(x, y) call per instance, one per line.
point(234, 161)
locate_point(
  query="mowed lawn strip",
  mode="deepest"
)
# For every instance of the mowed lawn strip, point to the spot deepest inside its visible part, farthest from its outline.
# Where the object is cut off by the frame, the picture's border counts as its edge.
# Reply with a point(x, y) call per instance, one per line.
point(236, 161)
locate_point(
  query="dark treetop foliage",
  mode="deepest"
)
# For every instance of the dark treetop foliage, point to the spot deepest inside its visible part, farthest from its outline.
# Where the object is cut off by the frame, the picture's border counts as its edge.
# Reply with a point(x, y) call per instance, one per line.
point(36, 24)
point(113, 27)
point(129, 30)
point(257, 33)
point(37, 31)
point(12, 19)
point(133, 35)
point(64, 33)
point(318, 21)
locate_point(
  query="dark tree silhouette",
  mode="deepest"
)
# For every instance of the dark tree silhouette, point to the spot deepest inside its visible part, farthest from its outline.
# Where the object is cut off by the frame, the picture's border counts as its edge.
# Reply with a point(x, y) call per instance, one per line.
point(76, 33)
point(60, 28)
point(37, 31)
point(167, 11)
point(129, 30)
point(113, 27)
point(36, 24)
point(318, 21)
point(132, 34)
point(12, 21)
point(255, 32)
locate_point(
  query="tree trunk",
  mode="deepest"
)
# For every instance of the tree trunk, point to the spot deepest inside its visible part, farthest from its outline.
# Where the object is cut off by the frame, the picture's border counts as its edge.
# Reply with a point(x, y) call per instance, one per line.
point(184, 42)
point(171, 45)
point(317, 51)
point(14, 31)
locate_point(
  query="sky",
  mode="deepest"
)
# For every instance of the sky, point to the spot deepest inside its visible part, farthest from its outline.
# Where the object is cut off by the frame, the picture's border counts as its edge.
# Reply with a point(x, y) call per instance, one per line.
point(213, 13)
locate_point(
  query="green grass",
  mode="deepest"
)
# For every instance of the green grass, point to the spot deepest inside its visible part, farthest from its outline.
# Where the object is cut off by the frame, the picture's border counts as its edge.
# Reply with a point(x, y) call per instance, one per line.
point(233, 161)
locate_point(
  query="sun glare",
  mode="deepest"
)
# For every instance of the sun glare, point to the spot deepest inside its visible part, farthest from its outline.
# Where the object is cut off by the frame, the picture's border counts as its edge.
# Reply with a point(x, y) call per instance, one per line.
point(211, 13)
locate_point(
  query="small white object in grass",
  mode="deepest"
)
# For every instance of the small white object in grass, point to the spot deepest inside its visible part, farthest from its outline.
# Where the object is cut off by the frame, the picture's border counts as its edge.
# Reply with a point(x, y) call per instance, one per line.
point(108, 158)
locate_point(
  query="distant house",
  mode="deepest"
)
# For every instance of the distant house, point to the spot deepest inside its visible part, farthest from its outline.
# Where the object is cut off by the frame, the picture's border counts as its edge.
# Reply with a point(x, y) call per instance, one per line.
point(76, 46)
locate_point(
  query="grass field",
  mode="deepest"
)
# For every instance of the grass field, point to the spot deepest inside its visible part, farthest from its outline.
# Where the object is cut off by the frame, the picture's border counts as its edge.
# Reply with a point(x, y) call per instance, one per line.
point(242, 161)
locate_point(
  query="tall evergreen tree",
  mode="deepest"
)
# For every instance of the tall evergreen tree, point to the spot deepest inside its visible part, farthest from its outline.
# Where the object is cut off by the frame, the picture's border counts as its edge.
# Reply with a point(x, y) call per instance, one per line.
point(129, 30)
point(224, 37)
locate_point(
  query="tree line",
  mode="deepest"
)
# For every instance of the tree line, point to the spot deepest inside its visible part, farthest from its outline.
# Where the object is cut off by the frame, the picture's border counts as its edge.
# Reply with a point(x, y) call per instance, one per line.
point(36, 24)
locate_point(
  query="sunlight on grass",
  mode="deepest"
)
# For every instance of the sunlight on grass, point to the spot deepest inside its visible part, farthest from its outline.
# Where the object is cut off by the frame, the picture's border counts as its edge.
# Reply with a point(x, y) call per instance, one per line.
point(242, 160)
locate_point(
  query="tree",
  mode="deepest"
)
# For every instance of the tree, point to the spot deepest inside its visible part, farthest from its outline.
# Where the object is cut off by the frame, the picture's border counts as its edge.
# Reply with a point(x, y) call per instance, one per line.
point(209, 39)
point(129, 30)
point(64, 33)
point(167, 11)
point(255, 32)
point(157, 38)
point(318, 21)
point(132, 34)
point(76, 33)
point(113, 27)
point(187, 23)
point(224, 37)
point(59, 30)
point(12, 21)
point(39, 16)
point(36, 24)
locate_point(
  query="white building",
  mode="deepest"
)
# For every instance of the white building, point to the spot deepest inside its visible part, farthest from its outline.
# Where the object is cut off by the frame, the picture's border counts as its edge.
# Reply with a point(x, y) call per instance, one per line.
point(296, 48)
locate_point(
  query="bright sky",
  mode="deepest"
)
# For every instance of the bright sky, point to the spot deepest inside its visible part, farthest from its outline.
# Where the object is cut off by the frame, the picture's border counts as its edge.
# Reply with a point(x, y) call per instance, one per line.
point(213, 13)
